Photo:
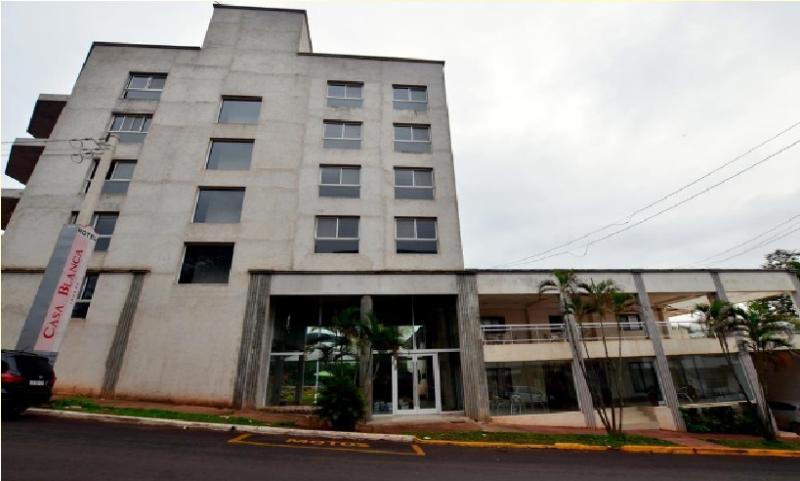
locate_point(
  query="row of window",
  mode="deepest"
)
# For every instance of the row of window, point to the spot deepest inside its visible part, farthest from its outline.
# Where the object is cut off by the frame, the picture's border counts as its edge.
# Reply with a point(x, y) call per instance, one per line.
point(336, 134)
point(333, 234)
point(335, 180)
point(148, 86)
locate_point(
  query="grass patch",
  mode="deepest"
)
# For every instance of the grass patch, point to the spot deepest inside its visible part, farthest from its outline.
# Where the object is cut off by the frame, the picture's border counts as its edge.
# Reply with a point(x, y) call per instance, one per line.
point(546, 438)
point(756, 444)
point(89, 406)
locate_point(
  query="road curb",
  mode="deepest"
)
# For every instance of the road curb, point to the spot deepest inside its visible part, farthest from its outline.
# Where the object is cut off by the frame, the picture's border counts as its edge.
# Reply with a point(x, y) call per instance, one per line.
point(112, 418)
point(684, 450)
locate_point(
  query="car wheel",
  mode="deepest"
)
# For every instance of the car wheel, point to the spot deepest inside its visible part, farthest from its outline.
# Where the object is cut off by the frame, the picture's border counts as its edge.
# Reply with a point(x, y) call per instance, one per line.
point(11, 411)
point(795, 428)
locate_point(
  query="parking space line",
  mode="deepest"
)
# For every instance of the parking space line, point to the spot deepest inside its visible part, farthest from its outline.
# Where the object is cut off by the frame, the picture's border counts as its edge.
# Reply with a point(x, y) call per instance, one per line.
point(244, 439)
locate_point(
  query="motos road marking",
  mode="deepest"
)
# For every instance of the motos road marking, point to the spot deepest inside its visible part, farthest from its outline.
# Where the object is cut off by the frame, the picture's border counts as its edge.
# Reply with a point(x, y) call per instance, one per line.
point(324, 444)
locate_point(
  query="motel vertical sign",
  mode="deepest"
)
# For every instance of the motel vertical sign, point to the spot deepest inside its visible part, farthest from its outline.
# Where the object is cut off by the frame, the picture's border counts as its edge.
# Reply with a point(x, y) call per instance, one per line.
point(61, 283)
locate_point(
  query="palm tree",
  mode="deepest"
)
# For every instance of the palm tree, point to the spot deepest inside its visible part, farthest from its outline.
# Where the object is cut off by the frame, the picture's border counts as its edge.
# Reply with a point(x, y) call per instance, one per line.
point(757, 328)
point(621, 302)
point(723, 320)
point(368, 335)
point(582, 301)
point(763, 328)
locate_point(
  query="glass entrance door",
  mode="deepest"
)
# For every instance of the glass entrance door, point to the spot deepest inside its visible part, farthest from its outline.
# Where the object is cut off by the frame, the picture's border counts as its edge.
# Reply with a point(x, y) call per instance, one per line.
point(416, 384)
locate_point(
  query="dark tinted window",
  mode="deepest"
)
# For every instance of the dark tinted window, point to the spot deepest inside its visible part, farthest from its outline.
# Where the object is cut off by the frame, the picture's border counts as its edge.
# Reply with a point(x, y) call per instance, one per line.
point(219, 205)
point(239, 111)
point(206, 264)
point(104, 224)
point(85, 296)
point(230, 155)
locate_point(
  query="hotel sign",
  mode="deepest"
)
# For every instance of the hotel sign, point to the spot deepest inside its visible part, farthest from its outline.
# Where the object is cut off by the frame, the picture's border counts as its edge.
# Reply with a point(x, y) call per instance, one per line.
point(61, 284)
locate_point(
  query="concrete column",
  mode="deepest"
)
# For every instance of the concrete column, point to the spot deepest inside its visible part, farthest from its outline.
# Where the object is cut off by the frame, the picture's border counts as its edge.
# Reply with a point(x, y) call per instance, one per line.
point(585, 402)
point(746, 362)
point(473, 368)
point(365, 359)
point(116, 353)
point(92, 196)
point(254, 348)
point(663, 374)
point(795, 295)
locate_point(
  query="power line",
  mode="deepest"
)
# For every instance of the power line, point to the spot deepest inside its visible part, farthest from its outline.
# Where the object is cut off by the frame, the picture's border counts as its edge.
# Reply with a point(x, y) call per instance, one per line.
point(774, 228)
point(662, 211)
point(762, 244)
point(662, 199)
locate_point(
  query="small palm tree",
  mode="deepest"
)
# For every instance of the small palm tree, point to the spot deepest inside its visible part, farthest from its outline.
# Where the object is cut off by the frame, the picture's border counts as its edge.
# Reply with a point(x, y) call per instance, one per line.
point(723, 320)
point(764, 329)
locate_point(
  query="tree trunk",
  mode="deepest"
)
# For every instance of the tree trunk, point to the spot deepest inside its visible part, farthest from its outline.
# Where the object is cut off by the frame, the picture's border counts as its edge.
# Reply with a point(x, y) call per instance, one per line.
point(365, 361)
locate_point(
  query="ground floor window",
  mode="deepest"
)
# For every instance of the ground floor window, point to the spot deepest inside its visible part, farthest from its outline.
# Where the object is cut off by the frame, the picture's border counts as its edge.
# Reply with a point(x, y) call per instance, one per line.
point(294, 379)
point(639, 380)
point(705, 379)
point(530, 388)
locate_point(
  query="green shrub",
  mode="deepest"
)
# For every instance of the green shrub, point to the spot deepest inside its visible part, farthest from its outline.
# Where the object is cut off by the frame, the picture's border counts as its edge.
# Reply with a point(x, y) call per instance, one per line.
point(340, 402)
point(741, 419)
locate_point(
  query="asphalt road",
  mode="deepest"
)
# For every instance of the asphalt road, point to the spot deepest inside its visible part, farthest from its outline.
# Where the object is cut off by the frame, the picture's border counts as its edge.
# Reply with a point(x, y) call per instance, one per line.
point(38, 447)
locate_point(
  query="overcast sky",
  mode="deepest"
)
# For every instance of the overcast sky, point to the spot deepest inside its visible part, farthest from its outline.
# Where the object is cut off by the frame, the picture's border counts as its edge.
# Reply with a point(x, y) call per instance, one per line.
point(564, 117)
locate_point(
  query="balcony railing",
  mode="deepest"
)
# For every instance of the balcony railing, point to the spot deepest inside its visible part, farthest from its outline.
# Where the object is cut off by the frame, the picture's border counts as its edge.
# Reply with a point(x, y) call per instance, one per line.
point(591, 331)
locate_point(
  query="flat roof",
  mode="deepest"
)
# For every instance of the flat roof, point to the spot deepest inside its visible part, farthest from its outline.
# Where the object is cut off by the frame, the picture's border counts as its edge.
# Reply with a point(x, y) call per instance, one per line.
point(372, 57)
point(513, 271)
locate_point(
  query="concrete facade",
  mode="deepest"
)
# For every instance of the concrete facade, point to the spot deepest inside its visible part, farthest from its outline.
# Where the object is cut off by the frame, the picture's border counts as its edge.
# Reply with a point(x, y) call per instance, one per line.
point(147, 336)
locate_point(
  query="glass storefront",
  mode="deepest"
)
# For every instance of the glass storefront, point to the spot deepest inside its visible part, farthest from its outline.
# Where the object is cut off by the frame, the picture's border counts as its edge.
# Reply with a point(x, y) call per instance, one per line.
point(530, 388)
point(706, 379)
point(305, 349)
point(424, 376)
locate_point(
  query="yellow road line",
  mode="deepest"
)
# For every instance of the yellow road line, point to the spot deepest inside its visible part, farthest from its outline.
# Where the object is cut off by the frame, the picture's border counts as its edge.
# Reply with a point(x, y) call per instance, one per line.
point(243, 439)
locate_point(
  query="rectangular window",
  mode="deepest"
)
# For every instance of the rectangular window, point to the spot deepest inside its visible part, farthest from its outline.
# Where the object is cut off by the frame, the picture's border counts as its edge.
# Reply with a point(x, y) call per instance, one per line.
point(84, 296)
point(344, 94)
point(130, 128)
point(336, 235)
point(412, 183)
point(339, 134)
point(340, 181)
point(206, 264)
point(145, 86)
point(630, 322)
point(413, 138)
point(90, 175)
point(239, 110)
point(119, 177)
point(104, 224)
point(409, 97)
point(230, 155)
point(416, 235)
point(219, 205)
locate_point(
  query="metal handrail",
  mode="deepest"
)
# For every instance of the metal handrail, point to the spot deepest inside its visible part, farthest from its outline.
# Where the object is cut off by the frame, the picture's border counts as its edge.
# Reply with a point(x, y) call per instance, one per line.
point(591, 331)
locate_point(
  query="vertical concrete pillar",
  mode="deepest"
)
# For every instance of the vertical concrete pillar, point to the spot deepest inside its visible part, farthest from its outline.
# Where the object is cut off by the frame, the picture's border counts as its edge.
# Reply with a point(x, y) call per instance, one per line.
point(473, 368)
point(746, 362)
point(92, 196)
point(795, 295)
point(254, 347)
point(585, 402)
point(365, 359)
point(116, 353)
point(663, 374)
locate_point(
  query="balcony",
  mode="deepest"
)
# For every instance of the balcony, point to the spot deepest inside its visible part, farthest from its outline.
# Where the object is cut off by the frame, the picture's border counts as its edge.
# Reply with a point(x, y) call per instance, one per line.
point(45, 114)
point(10, 199)
point(23, 158)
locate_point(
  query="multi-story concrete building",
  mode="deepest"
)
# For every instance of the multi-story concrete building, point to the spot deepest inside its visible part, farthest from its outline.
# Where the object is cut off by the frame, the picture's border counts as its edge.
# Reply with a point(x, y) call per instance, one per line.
point(246, 191)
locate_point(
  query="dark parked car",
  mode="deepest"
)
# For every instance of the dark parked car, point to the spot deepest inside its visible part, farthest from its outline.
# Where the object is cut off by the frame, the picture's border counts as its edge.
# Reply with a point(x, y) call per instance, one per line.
point(27, 381)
